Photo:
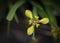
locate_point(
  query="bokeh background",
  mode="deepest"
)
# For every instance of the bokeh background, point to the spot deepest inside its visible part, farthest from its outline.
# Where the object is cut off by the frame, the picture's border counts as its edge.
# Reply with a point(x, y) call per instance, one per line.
point(14, 23)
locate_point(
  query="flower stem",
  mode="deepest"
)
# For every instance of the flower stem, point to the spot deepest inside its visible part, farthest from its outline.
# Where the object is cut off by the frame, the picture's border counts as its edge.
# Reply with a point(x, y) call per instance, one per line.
point(8, 31)
point(33, 36)
point(16, 19)
point(8, 28)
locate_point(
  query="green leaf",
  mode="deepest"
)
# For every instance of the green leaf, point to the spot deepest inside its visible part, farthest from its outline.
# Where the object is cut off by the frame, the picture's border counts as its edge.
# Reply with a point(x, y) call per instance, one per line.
point(49, 11)
point(16, 19)
point(13, 10)
point(52, 17)
point(40, 10)
point(34, 11)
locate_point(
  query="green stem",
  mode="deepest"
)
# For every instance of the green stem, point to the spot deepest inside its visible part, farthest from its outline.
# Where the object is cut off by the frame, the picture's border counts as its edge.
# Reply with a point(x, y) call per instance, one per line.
point(33, 36)
point(16, 18)
point(8, 30)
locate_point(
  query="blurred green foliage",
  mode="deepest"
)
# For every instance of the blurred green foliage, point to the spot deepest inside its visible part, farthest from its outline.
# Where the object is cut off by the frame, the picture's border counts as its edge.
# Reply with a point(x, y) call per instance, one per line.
point(13, 10)
point(43, 9)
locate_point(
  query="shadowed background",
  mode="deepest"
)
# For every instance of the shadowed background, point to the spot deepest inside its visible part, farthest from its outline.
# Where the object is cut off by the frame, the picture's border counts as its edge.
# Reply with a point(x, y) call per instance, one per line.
point(17, 32)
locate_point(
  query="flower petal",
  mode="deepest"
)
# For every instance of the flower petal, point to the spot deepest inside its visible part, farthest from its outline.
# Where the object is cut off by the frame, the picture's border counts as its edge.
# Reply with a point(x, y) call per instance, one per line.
point(54, 33)
point(37, 25)
point(30, 30)
point(36, 17)
point(30, 21)
point(44, 20)
point(28, 13)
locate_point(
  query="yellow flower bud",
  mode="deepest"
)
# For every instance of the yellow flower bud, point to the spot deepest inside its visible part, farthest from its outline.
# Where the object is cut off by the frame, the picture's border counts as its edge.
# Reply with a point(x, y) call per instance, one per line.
point(28, 13)
point(44, 20)
point(30, 30)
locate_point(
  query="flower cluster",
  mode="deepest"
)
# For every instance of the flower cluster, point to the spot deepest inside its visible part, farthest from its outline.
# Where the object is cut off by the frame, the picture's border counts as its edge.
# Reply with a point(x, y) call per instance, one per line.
point(34, 21)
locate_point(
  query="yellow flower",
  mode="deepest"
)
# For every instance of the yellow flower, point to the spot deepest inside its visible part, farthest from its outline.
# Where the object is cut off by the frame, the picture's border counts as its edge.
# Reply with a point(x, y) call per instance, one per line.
point(30, 30)
point(34, 21)
point(28, 13)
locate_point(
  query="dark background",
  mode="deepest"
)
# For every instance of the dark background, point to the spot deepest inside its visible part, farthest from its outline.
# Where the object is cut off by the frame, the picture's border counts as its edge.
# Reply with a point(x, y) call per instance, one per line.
point(18, 31)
